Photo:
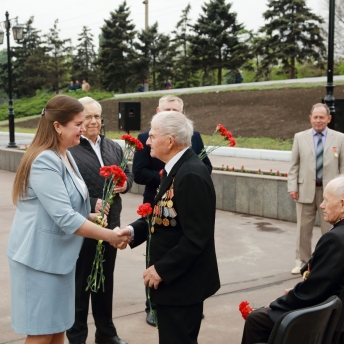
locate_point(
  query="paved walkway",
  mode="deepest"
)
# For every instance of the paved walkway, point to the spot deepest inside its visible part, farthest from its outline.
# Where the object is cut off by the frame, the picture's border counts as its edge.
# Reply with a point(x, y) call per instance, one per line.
point(255, 256)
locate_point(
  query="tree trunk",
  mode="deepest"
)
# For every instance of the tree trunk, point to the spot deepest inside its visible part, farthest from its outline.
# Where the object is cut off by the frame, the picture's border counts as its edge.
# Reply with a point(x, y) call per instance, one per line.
point(219, 76)
point(292, 68)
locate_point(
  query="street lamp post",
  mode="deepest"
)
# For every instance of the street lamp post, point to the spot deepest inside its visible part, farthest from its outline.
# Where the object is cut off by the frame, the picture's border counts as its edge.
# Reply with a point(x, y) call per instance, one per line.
point(18, 31)
point(329, 98)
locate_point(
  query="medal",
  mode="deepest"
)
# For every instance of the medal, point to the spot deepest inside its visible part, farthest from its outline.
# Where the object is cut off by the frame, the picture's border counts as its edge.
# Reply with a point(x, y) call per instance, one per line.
point(158, 221)
point(173, 222)
point(170, 203)
point(165, 222)
point(152, 229)
point(166, 212)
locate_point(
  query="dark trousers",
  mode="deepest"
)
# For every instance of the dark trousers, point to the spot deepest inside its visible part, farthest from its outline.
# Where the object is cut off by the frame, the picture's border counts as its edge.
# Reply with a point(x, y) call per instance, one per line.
point(101, 301)
point(149, 200)
point(179, 324)
point(258, 327)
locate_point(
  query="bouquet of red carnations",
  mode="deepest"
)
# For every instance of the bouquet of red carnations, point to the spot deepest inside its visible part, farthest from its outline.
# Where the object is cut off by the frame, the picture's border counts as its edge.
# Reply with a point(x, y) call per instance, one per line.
point(114, 176)
point(220, 137)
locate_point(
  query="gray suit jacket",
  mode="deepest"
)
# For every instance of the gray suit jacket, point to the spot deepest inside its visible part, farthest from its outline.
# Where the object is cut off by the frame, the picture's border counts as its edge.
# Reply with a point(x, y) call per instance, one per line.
point(302, 173)
point(41, 235)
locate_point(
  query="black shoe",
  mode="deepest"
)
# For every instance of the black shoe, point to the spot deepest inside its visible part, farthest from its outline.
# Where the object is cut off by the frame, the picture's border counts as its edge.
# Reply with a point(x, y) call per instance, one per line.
point(77, 343)
point(202, 316)
point(150, 319)
point(100, 339)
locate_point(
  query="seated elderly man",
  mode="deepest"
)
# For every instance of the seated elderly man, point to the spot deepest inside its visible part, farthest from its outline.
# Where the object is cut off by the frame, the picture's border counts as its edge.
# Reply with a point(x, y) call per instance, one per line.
point(323, 275)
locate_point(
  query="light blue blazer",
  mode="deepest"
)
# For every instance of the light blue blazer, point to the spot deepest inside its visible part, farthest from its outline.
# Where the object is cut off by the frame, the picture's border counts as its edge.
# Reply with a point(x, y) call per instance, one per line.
point(41, 235)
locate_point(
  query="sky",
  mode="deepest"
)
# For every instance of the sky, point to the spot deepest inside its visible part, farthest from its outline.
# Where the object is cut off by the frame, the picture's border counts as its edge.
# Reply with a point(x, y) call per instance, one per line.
point(74, 14)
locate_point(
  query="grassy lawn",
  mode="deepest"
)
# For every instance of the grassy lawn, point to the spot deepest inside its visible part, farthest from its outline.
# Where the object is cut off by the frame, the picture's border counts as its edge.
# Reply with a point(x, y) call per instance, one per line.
point(242, 142)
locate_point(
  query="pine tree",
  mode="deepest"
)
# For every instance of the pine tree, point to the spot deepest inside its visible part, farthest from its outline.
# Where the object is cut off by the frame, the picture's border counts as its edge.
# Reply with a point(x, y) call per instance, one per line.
point(116, 50)
point(294, 34)
point(154, 56)
point(83, 66)
point(60, 54)
point(182, 39)
point(218, 40)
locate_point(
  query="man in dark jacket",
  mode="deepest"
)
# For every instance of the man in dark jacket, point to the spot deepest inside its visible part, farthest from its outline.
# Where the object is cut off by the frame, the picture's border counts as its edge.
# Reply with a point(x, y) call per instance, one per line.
point(146, 169)
point(182, 270)
point(323, 274)
point(93, 152)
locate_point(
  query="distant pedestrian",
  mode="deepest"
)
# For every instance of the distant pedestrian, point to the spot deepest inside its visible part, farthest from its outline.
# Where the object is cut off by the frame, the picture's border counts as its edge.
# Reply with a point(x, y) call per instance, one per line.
point(77, 85)
point(140, 88)
point(71, 87)
point(85, 86)
point(168, 84)
point(238, 77)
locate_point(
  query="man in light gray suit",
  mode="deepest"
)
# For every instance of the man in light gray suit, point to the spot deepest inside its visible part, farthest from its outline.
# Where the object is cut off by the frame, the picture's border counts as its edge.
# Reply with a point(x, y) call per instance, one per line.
point(317, 157)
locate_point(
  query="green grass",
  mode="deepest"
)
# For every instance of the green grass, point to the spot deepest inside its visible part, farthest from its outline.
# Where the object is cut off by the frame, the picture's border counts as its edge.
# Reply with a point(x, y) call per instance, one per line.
point(33, 106)
point(242, 142)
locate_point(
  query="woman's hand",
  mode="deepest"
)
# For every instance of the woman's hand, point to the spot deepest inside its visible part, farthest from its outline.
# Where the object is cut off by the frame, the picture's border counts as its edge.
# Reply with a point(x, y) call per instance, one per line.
point(98, 207)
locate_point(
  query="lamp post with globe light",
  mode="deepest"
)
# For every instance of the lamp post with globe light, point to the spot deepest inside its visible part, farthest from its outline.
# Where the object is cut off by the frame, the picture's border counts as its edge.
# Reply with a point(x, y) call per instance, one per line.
point(18, 32)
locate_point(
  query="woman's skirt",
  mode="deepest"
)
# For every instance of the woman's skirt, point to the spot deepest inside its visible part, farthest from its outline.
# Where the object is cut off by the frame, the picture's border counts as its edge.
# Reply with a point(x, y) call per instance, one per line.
point(42, 303)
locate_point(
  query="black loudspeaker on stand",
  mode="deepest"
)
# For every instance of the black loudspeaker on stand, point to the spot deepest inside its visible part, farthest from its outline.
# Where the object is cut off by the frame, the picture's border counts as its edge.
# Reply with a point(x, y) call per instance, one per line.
point(129, 116)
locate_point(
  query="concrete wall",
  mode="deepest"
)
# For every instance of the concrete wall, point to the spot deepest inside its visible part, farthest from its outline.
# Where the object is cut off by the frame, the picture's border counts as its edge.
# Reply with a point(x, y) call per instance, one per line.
point(245, 193)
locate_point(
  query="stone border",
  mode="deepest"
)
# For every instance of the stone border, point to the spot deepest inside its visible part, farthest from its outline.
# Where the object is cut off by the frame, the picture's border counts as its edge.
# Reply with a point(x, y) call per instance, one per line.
point(252, 194)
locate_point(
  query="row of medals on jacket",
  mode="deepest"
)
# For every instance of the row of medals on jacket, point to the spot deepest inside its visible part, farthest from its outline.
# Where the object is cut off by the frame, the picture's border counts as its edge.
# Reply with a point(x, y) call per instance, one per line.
point(164, 210)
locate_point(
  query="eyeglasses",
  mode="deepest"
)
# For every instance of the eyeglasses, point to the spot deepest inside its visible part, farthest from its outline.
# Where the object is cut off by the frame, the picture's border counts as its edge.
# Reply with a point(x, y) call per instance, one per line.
point(89, 117)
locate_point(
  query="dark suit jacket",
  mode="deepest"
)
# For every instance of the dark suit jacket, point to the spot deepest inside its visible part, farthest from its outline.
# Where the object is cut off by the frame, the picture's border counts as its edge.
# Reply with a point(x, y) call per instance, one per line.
point(325, 279)
point(146, 169)
point(184, 255)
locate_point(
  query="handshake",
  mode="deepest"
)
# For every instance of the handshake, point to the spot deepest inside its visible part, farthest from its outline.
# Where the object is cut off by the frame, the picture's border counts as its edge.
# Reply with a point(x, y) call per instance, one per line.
point(121, 238)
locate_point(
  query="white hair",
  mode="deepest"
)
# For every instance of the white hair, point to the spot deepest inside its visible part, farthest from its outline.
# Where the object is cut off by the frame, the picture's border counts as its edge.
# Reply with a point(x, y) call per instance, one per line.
point(87, 100)
point(175, 124)
point(337, 186)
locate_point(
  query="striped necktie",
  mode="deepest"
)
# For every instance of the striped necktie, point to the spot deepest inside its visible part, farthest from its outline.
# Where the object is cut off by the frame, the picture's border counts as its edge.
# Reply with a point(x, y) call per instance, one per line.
point(319, 158)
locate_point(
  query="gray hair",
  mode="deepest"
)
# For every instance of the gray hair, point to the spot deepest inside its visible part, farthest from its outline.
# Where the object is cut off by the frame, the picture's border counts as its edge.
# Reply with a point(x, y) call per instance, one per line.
point(171, 98)
point(321, 105)
point(175, 124)
point(87, 100)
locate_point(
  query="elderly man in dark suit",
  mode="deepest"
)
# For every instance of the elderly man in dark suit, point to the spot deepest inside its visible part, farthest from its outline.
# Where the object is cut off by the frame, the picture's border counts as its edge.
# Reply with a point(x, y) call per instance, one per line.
point(323, 274)
point(183, 268)
point(146, 168)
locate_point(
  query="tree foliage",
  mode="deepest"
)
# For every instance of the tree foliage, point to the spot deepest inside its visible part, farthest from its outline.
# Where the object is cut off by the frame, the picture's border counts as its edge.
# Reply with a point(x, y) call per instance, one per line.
point(219, 39)
point(59, 51)
point(293, 35)
point(83, 66)
point(116, 50)
point(184, 71)
point(154, 56)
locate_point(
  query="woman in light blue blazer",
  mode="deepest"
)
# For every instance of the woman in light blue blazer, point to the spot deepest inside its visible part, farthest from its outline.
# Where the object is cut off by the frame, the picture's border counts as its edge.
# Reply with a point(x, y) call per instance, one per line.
point(51, 219)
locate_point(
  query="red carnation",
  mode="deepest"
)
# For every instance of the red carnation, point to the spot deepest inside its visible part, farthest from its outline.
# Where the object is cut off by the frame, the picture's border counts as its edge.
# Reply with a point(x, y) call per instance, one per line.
point(144, 209)
point(245, 309)
point(161, 172)
point(105, 171)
